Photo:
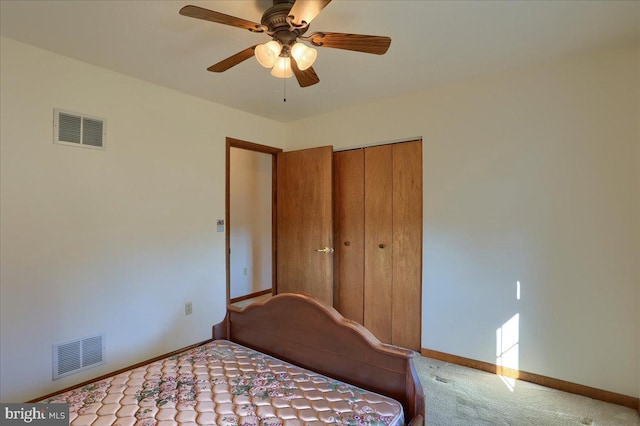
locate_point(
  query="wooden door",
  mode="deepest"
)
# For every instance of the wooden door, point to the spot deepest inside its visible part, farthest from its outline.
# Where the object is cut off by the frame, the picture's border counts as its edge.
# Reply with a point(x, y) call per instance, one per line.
point(304, 223)
point(378, 237)
point(348, 261)
point(378, 241)
point(407, 245)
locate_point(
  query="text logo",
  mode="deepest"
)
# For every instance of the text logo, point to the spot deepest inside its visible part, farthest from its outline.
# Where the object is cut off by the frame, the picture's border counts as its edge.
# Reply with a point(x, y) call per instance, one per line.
point(35, 414)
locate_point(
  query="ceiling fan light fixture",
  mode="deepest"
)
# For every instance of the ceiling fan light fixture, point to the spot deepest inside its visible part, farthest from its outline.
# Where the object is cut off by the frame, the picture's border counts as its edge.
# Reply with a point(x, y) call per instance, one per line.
point(285, 22)
point(304, 56)
point(268, 53)
point(282, 68)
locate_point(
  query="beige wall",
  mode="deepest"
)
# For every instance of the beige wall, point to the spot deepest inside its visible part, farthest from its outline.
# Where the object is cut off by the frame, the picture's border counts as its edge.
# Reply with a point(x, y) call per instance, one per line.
point(250, 222)
point(111, 241)
point(529, 176)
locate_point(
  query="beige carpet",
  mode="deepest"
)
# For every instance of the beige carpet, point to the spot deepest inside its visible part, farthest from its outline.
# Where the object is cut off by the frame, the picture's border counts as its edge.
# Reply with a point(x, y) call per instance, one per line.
point(460, 396)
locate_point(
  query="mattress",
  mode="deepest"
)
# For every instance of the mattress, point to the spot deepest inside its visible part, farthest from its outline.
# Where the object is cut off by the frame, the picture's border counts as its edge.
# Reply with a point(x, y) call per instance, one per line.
point(223, 383)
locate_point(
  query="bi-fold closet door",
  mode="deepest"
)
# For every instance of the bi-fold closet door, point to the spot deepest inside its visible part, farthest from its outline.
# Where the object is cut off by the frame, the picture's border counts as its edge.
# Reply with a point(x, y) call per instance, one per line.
point(378, 240)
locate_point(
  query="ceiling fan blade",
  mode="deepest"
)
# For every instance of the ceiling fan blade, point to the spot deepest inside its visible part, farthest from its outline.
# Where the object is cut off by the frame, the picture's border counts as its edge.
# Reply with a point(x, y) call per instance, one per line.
point(220, 18)
point(305, 78)
point(233, 60)
point(358, 42)
point(306, 10)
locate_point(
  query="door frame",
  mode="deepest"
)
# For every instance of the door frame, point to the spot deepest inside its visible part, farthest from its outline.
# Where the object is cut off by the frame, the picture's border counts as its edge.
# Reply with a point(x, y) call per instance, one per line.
point(249, 146)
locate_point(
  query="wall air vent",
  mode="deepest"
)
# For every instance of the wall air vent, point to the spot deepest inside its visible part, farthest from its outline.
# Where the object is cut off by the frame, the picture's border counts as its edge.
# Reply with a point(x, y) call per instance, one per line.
point(70, 128)
point(77, 355)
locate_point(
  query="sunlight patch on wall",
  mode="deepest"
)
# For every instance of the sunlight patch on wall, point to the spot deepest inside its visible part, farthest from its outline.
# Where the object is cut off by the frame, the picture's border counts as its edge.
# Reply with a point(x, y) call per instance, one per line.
point(508, 348)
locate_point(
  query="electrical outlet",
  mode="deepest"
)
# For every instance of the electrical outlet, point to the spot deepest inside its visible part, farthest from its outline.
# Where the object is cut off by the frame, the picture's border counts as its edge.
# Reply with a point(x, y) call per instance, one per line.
point(188, 308)
point(245, 271)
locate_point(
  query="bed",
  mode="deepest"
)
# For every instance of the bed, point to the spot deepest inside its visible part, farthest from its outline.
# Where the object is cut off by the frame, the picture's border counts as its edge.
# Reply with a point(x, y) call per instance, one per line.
point(290, 360)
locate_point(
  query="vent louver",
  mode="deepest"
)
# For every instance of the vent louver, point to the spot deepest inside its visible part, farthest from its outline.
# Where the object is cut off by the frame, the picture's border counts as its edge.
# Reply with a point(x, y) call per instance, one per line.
point(92, 132)
point(70, 128)
point(77, 355)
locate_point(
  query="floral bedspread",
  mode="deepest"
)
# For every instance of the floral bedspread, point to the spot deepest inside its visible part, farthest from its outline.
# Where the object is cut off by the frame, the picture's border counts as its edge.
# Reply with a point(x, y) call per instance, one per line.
point(223, 383)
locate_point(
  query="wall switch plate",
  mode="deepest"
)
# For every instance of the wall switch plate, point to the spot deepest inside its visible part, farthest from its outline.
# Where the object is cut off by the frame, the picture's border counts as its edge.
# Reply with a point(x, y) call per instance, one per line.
point(188, 308)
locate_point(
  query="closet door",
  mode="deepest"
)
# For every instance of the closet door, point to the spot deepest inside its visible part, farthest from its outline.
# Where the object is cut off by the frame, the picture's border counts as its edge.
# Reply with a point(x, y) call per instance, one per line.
point(407, 245)
point(378, 235)
point(378, 241)
point(348, 262)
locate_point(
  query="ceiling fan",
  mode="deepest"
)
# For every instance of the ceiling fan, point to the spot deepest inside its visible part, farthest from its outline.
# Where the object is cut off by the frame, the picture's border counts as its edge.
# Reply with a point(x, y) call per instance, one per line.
point(286, 22)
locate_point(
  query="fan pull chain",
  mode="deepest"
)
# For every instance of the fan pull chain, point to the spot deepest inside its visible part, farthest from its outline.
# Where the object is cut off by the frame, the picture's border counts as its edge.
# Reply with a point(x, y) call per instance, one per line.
point(284, 90)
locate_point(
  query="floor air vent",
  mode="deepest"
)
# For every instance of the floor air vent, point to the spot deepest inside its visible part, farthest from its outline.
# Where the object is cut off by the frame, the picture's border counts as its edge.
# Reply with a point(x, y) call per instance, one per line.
point(77, 355)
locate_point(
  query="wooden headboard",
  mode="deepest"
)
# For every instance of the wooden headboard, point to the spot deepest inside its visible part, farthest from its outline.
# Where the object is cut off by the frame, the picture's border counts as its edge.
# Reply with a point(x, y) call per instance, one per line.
point(308, 333)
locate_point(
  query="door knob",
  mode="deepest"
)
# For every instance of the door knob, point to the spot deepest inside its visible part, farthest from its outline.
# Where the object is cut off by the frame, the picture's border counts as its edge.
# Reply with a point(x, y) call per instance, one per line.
point(381, 245)
point(325, 250)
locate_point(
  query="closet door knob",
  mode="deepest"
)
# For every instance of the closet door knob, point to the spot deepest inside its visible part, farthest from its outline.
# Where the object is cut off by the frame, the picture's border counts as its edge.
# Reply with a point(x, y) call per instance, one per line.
point(347, 243)
point(381, 245)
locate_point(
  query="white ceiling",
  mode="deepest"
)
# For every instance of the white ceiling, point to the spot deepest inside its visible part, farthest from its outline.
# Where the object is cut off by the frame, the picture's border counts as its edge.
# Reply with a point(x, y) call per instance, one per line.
point(433, 43)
